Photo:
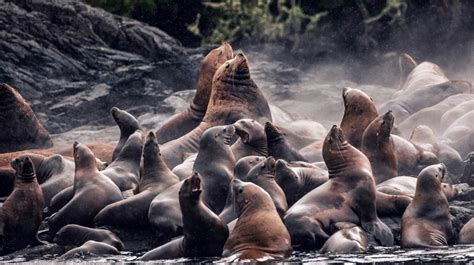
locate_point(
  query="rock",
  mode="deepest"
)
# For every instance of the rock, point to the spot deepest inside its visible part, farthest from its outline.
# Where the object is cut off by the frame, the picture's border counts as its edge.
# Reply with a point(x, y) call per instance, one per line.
point(72, 62)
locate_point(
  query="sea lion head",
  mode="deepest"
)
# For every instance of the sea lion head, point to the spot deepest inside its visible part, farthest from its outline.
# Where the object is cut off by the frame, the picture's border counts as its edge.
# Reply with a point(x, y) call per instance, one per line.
point(273, 133)
point(355, 99)
point(387, 124)
point(244, 165)
point(191, 189)
point(235, 69)
point(430, 178)
point(83, 157)
point(284, 175)
point(218, 134)
point(25, 170)
point(334, 146)
point(151, 144)
point(125, 121)
point(249, 130)
point(248, 196)
point(265, 167)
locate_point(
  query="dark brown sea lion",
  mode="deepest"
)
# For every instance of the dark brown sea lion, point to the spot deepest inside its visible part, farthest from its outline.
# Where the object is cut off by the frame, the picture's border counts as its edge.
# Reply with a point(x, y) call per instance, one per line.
point(241, 170)
point(124, 171)
point(466, 235)
point(91, 247)
point(20, 128)
point(278, 146)
point(259, 234)
point(252, 139)
point(298, 181)
point(262, 174)
point(21, 213)
point(234, 96)
point(204, 234)
point(76, 235)
point(359, 112)
point(127, 125)
point(133, 211)
point(215, 163)
point(349, 239)
point(410, 157)
point(182, 123)
point(426, 222)
point(379, 149)
point(92, 192)
point(348, 196)
point(54, 173)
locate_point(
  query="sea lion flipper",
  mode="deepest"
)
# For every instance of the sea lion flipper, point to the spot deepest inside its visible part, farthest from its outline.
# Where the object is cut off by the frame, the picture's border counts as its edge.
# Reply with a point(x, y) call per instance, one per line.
point(378, 232)
point(407, 64)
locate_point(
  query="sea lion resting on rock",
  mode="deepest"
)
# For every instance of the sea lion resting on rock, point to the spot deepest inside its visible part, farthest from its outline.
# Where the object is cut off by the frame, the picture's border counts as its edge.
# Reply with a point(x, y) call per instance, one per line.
point(215, 163)
point(91, 247)
point(156, 177)
point(204, 234)
point(349, 239)
point(460, 134)
point(234, 96)
point(76, 235)
point(92, 192)
point(21, 129)
point(252, 139)
point(259, 234)
point(426, 222)
point(21, 214)
point(183, 122)
point(348, 196)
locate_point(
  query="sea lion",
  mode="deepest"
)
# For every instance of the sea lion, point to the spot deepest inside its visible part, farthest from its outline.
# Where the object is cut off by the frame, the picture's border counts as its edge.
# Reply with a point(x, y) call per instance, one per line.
point(410, 157)
point(92, 191)
point(426, 222)
point(314, 151)
point(21, 129)
point(204, 234)
point(185, 169)
point(183, 122)
point(359, 112)
point(456, 112)
point(460, 134)
point(241, 170)
point(215, 163)
point(298, 181)
point(21, 213)
point(133, 211)
point(76, 235)
point(259, 233)
point(262, 174)
point(252, 139)
point(466, 235)
point(348, 196)
point(127, 125)
point(300, 133)
point(54, 173)
point(379, 149)
point(91, 247)
point(406, 64)
point(234, 96)
point(124, 171)
point(278, 147)
point(349, 239)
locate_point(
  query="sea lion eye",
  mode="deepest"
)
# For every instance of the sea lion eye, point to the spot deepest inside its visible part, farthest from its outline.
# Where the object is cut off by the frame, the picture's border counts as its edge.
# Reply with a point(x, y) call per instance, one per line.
point(241, 190)
point(227, 65)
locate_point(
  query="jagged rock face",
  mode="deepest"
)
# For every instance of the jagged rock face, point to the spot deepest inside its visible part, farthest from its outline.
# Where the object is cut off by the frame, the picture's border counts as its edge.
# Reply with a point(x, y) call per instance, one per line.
point(73, 62)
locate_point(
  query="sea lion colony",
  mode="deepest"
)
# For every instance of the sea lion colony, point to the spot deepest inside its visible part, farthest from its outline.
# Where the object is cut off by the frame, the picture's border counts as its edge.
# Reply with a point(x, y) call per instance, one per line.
point(222, 179)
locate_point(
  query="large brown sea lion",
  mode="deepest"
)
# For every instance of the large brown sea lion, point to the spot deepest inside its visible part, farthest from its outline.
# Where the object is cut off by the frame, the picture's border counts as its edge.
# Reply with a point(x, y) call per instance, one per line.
point(348, 196)
point(252, 139)
point(182, 123)
point(349, 239)
point(215, 163)
point(262, 174)
point(92, 192)
point(359, 112)
point(278, 146)
point(204, 234)
point(259, 233)
point(426, 222)
point(234, 96)
point(379, 149)
point(124, 171)
point(91, 247)
point(298, 181)
point(133, 211)
point(76, 235)
point(20, 128)
point(21, 214)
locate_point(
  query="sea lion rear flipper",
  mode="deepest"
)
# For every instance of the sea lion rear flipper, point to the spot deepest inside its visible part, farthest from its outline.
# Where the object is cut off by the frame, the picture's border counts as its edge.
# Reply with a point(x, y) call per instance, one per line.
point(378, 233)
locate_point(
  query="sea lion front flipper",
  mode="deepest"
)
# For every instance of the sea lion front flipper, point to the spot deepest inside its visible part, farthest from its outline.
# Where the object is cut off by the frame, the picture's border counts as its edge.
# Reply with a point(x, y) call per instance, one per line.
point(378, 233)
point(391, 205)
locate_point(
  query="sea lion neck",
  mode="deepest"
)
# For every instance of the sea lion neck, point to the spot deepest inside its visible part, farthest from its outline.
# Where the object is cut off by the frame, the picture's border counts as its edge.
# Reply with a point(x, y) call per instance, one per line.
point(154, 167)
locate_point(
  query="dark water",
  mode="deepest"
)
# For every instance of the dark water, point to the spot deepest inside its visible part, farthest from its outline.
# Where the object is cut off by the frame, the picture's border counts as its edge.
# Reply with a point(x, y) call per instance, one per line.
point(461, 254)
